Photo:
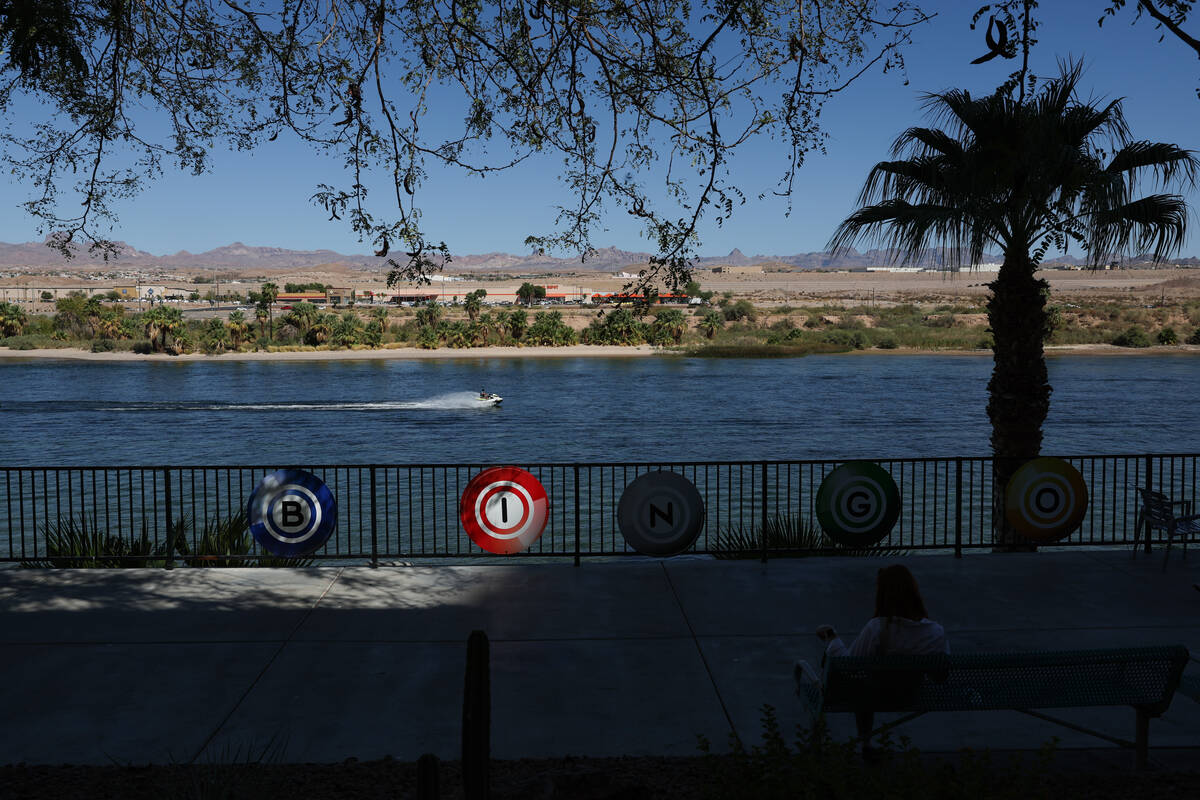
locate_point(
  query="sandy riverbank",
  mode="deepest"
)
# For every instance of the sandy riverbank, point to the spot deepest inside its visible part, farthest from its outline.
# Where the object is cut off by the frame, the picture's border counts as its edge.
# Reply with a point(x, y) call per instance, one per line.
point(574, 351)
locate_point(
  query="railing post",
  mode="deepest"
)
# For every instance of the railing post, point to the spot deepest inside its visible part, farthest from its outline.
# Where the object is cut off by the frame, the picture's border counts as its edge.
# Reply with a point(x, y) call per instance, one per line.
point(958, 508)
point(576, 515)
point(170, 564)
point(1149, 488)
point(374, 532)
point(764, 512)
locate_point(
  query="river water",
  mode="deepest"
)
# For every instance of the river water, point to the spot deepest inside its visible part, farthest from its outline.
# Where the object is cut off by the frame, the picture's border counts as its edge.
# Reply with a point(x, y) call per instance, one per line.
point(71, 413)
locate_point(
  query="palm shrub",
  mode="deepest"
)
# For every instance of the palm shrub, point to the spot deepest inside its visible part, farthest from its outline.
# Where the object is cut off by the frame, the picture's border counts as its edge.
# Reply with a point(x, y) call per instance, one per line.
point(80, 542)
point(518, 321)
point(668, 326)
point(347, 330)
point(549, 329)
point(711, 322)
point(1022, 174)
point(790, 533)
point(619, 326)
point(227, 542)
point(12, 319)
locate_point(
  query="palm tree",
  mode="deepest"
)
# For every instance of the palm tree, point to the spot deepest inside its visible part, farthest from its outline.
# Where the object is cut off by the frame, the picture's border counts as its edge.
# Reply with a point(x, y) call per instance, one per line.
point(92, 309)
point(237, 328)
point(109, 324)
point(429, 314)
point(301, 317)
point(323, 328)
point(153, 321)
point(517, 321)
point(671, 323)
point(482, 328)
point(268, 294)
point(261, 315)
point(474, 303)
point(1021, 176)
point(711, 322)
point(12, 319)
point(502, 324)
point(347, 330)
point(380, 315)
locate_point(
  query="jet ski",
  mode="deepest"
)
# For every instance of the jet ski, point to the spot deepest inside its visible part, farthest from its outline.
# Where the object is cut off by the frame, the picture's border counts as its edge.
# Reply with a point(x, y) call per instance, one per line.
point(489, 399)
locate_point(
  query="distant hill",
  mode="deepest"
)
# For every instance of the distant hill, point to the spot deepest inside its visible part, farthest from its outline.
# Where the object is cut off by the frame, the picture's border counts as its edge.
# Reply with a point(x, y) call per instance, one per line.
point(240, 257)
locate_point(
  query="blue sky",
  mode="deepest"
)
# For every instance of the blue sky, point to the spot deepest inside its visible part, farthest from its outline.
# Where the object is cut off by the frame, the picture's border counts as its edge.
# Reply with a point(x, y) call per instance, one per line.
point(261, 198)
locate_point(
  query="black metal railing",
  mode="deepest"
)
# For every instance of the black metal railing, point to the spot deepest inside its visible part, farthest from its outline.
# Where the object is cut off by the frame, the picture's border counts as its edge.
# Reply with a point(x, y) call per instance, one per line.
point(411, 511)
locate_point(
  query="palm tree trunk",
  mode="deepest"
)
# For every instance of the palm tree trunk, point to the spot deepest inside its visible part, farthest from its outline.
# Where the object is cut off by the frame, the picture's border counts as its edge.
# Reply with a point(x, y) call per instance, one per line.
point(1019, 392)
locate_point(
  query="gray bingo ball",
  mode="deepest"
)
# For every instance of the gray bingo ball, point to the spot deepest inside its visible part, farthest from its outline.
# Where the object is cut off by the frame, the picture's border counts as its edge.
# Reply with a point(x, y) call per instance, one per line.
point(660, 513)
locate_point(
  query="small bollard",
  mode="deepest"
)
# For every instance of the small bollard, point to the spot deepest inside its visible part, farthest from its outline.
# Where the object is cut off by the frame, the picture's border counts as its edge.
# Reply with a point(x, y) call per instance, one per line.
point(427, 777)
point(477, 719)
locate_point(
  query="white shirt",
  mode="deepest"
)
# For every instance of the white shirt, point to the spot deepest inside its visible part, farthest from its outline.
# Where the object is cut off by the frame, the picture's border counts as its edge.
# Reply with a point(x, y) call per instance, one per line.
point(904, 637)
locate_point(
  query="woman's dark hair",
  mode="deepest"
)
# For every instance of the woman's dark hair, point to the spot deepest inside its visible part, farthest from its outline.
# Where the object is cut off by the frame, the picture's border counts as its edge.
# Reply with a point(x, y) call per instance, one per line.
point(897, 595)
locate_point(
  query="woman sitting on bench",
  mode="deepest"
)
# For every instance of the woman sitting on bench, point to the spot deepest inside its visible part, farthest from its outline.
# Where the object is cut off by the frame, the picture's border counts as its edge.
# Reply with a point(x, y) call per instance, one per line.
point(901, 626)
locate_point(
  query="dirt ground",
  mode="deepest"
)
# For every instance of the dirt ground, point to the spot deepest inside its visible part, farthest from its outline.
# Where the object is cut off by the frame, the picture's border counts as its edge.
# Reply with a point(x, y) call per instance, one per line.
point(801, 288)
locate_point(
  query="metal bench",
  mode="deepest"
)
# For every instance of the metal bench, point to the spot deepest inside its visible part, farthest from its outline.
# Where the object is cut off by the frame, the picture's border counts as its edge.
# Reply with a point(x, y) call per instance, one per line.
point(1189, 686)
point(1142, 677)
point(1157, 511)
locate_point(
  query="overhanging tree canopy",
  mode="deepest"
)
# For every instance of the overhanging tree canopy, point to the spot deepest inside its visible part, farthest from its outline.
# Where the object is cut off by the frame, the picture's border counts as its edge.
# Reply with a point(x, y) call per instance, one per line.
point(618, 88)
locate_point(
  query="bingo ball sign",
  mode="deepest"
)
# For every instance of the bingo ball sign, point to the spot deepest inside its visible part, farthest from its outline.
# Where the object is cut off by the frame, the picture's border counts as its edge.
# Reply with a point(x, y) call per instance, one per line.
point(1046, 499)
point(858, 504)
point(661, 513)
point(504, 510)
point(291, 513)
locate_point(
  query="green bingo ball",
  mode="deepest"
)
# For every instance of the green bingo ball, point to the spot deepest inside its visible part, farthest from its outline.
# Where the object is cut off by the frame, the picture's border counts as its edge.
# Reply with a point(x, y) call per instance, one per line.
point(858, 504)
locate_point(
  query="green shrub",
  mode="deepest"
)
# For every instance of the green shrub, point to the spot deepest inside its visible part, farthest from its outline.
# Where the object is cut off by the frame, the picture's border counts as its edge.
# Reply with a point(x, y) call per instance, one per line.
point(102, 346)
point(1134, 336)
point(856, 340)
point(887, 343)
point(741, 310)
point(33, 341)
point(143, 347)
point(1195, 337)
point(1168, 336)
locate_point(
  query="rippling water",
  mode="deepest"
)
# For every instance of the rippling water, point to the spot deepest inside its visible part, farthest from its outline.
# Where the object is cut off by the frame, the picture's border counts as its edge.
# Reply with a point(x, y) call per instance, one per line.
point(581, 409)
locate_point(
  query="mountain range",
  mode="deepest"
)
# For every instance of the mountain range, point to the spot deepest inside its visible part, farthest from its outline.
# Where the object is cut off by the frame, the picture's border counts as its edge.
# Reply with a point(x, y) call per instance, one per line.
point(241, 257)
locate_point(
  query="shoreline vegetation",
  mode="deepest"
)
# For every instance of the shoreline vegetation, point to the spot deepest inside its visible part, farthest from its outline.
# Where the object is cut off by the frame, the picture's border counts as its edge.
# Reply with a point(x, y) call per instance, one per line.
point(87, 328)
point(572, 351)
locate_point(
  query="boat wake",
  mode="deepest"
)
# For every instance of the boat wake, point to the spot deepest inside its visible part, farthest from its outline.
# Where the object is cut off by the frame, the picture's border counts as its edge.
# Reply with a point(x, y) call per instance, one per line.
point(453, 401)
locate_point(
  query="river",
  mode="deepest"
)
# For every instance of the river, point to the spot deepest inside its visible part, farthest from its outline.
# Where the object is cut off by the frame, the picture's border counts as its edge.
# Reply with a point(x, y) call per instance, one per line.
point(71, 413)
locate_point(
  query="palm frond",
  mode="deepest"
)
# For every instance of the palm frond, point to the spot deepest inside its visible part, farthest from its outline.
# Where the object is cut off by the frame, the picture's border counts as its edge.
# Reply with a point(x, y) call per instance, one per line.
point(1167, 161)
point(912, 229)
point(1156, 224)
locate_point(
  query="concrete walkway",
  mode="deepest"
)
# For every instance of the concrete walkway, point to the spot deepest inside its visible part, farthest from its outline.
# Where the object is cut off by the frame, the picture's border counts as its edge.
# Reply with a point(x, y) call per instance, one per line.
point(628, 658)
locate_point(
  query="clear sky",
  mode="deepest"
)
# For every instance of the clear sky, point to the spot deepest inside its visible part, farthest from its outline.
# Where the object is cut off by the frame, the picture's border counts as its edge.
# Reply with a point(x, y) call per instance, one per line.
point(262, 197)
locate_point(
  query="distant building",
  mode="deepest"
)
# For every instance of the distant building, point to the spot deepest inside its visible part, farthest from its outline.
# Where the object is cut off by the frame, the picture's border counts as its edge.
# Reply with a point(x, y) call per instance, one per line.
point(337, 296)
point(725, 269)
point(897, 269)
